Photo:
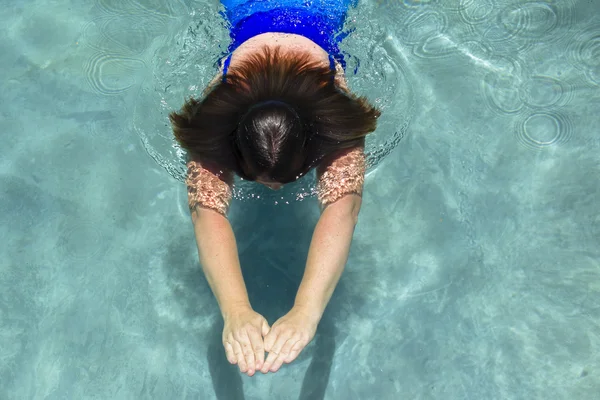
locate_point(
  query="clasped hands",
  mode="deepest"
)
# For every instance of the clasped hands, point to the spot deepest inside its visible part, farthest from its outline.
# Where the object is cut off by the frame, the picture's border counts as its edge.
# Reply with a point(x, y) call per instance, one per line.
point(247, 336)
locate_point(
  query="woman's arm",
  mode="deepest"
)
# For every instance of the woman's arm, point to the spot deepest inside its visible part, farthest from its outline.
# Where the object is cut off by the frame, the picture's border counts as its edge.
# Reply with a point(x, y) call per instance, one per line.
point(218, 255)
point(209, 194)
point(327, 254)
point(327, 258)
point(340, 189)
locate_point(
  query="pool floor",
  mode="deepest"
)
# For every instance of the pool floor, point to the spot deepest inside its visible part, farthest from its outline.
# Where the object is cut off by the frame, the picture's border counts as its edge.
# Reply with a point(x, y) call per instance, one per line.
point(475, 266)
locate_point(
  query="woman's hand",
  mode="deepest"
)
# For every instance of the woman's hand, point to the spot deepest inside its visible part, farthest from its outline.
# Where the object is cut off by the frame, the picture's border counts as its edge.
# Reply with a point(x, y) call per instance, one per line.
point(243, 339)
point(288, 337)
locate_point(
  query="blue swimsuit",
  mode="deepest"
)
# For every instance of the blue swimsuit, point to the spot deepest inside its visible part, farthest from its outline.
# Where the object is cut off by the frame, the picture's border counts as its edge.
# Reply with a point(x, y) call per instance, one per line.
point(318, 20)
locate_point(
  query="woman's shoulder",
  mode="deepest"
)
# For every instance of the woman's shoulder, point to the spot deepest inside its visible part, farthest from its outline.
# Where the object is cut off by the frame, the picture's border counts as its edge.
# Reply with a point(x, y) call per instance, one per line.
point(343, 159)
point(197, 167)
point(343, 173)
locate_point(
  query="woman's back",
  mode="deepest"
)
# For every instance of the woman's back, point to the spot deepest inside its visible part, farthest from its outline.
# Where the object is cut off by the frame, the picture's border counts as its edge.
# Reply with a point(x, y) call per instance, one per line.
point(319, 21)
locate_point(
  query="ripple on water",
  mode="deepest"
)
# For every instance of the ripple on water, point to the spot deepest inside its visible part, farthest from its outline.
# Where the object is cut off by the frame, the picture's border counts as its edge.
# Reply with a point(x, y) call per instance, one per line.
point(422, 25)
point(119, 6)
point(543, 129)
point(544, 91)
point(130, 35)
point(587, 48)
point(396, 102)
point(500, 86)
point(82, 241)
point(435, 47)
point(584, 52)
point(501, 40)
point(531, 20)
point(477, 51)
point(157, 7)
point(110, 74)
point(501, 93)
point(593, 74)
point(416, 3)
point(520, 26)
point(476, 11)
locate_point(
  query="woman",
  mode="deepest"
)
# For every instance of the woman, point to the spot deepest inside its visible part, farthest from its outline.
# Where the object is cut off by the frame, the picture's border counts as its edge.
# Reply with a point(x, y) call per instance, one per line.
point(278, 108)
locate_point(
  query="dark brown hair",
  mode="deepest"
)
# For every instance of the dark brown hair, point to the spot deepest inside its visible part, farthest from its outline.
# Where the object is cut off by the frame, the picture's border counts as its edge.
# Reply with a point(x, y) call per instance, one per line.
point(275, 116)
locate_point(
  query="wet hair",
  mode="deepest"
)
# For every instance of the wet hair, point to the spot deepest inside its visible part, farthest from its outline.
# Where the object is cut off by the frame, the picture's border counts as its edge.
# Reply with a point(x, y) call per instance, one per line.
point(274, 117)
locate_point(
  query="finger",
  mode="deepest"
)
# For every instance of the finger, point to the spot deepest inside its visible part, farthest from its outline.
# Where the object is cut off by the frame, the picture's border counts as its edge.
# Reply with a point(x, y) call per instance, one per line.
point(241, 361)
point(247, 351)
point(282, 338)
point(270, 358)
point(256, 341)
point(287, 347)
point(275, 351)
point(269, 362)
point(229, 353)
point(285, 351)
point(296, 350)
point(272, 338)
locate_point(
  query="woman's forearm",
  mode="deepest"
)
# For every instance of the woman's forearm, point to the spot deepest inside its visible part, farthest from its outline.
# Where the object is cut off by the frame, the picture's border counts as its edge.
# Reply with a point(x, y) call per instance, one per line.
point(218, 255)
point(328, 254)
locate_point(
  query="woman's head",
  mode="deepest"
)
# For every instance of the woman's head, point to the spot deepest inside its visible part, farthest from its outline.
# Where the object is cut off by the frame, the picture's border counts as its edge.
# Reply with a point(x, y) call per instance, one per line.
point(269, 139)
point(273, 119)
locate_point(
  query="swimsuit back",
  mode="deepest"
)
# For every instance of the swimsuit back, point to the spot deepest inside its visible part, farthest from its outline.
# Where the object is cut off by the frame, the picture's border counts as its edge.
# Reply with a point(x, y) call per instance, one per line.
point(320, 21)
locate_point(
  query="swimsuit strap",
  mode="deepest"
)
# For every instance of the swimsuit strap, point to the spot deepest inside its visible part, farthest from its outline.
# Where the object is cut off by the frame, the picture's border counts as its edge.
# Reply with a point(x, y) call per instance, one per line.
point(332, 66)
point(226, 66)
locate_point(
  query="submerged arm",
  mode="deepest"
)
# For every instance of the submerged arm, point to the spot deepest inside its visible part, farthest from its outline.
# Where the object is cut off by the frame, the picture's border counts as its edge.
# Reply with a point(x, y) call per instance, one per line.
point(209, 194)
point(340, 190)
point(218, 255)
point(327, 255)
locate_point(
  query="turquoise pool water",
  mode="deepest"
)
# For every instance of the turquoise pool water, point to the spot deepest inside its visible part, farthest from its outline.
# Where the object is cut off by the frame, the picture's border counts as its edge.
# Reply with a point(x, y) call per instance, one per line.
point(475, 267)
